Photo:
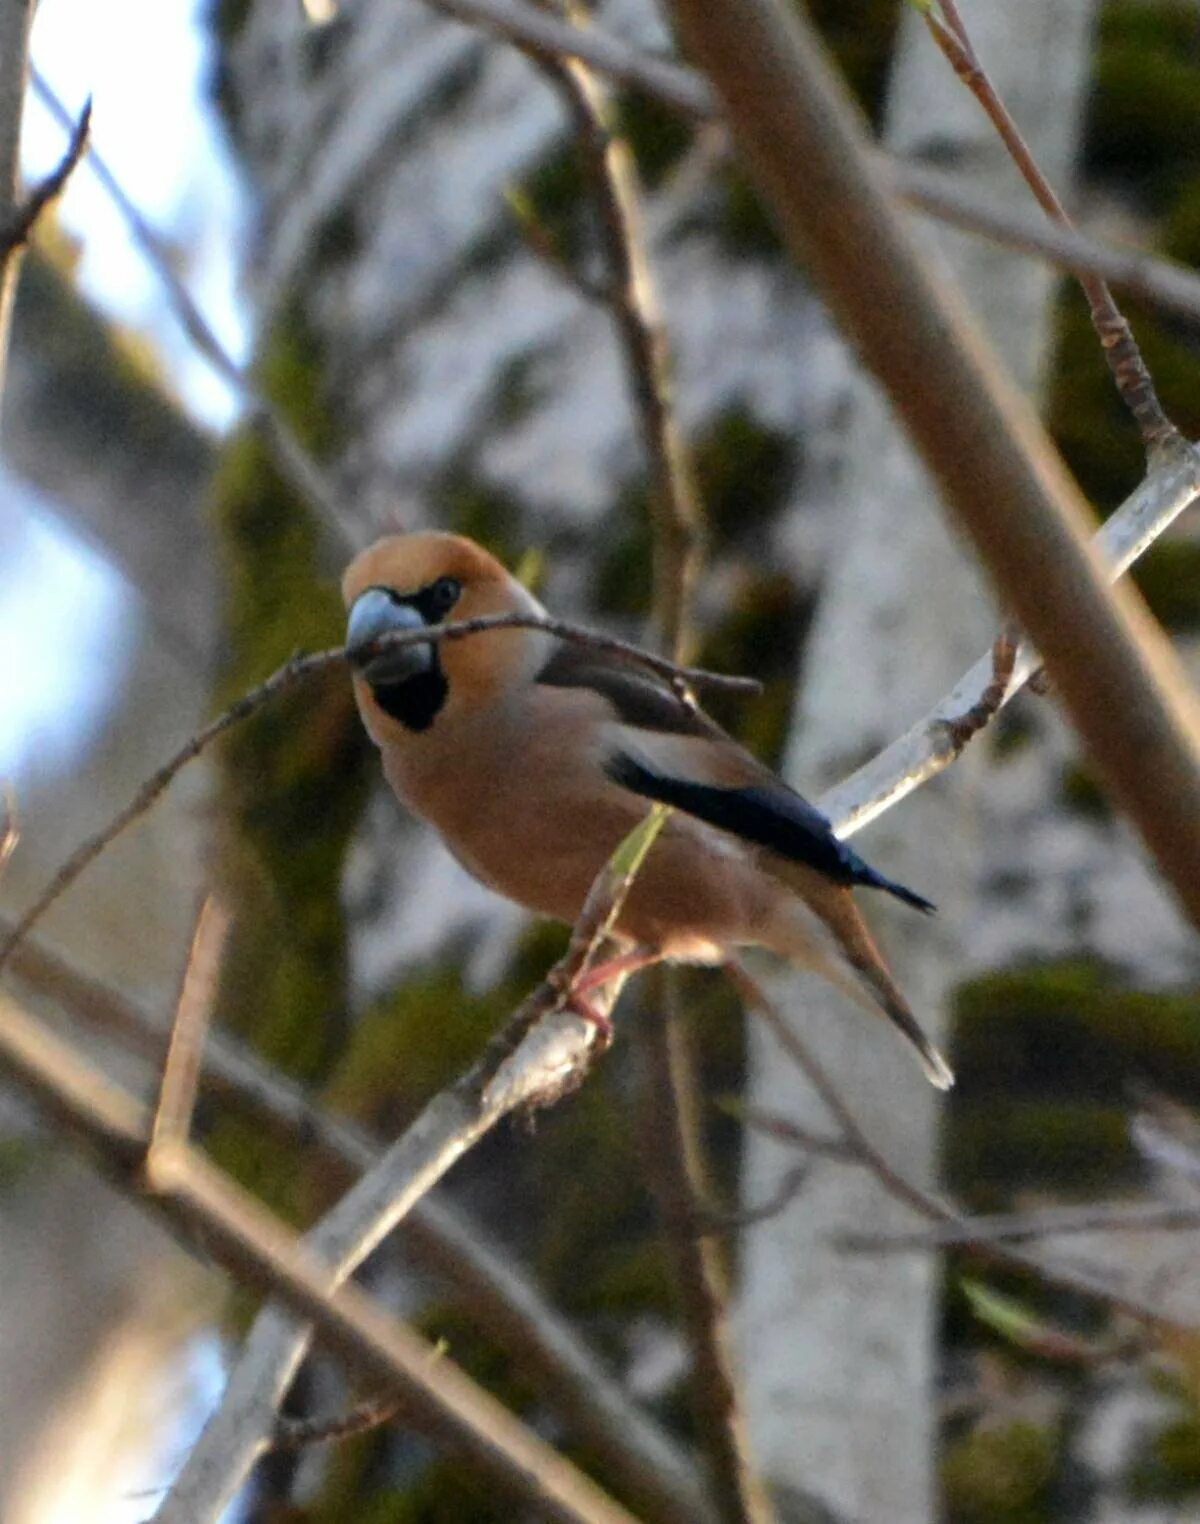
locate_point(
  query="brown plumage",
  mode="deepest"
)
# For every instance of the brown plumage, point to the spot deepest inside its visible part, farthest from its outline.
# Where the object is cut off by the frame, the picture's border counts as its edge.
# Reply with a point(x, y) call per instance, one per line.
point(533, 758)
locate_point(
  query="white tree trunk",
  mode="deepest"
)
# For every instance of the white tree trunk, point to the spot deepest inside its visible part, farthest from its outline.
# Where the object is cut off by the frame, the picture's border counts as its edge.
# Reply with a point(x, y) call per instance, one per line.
point(838, 1349)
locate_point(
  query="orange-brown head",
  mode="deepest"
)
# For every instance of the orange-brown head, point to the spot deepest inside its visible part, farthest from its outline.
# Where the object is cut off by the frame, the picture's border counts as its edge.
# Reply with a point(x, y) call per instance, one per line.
point(412, 581)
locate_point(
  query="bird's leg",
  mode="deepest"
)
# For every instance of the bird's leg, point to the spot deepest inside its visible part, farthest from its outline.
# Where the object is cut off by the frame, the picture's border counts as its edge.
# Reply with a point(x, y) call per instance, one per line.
point(623, 964)
point(599, 975)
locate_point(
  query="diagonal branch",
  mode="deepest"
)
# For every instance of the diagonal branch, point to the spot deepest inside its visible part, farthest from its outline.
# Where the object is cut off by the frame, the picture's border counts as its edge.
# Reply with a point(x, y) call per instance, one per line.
point(1121, 351)
point(185, 1050)
point(21, 225)
point(543, 1053)
point(1111, 665)
point(482, 1278)
point(293, 460)
point(252, 1243)
point(16, 19)
point(678, 1168)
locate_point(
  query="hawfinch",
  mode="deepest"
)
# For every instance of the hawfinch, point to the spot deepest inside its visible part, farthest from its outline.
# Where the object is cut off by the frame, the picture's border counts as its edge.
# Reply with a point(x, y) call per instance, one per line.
point(534, 757)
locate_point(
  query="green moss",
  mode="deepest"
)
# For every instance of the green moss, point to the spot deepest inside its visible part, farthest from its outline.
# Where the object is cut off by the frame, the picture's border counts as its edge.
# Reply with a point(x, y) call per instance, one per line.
point(862, 38)
point(1016, 1145)
point(415, 1040)
point(1169, 577)
point(658, 136)
point(107, 387)
point(556, 190)
point(1000, 1475)
point(1143, 115)
point(760, 636)
point(468, 502)
point(745, 470)
point(1169, 1466)
point(1180, 234)
point(293, 777)
point(741, 220)
point(1045, 1056)
point(1081, 793)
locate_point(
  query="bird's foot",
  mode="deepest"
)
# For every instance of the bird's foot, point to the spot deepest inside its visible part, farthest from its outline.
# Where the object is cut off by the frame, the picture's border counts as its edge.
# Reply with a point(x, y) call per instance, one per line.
point(583, 1007)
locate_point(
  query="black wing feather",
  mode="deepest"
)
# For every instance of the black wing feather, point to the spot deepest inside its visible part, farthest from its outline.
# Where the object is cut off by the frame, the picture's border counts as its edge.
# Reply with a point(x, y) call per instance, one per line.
point(770, 816)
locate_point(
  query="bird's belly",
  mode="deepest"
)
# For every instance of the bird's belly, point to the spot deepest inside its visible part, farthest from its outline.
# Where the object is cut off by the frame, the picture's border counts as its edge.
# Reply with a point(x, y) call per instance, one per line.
point(696, 894)
point(541, 834)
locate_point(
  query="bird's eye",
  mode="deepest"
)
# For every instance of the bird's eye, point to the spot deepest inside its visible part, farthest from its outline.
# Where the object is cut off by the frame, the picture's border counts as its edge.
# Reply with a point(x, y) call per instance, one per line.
point(444, 594)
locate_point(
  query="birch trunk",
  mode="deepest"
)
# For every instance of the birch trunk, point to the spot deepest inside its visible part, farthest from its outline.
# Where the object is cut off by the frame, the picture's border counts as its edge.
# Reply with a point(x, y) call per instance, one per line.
point(839, 1351)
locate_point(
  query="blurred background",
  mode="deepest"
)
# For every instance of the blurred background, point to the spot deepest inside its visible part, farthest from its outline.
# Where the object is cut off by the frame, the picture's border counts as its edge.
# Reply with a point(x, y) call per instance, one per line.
point(347, 191)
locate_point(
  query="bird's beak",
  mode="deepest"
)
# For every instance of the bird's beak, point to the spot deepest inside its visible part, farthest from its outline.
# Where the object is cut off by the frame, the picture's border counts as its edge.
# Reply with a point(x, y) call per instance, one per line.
point(373, 614)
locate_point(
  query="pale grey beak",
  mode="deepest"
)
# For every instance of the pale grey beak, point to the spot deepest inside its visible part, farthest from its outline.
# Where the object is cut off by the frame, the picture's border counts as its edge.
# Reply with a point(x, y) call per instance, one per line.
point(375, 613)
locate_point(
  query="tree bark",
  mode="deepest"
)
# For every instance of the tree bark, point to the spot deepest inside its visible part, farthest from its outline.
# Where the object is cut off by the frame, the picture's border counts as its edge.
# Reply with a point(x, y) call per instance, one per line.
point(840, 1350)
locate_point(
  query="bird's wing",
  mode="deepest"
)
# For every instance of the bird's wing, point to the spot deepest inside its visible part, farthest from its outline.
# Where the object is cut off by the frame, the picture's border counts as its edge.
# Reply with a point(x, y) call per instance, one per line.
point(665, 749)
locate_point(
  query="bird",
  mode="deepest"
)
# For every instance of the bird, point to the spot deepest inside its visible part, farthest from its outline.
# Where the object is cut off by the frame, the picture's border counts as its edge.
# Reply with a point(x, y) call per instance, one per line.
point(534, 756)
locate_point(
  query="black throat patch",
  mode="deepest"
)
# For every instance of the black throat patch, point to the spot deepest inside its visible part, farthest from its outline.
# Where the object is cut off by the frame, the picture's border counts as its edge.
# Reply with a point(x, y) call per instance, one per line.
point(416, 701)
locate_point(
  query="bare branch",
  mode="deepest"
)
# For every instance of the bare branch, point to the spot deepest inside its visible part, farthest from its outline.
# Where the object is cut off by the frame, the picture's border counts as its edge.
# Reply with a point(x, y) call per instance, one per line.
point(485, 1281)
point(1015, 1227)
point(931, 745)
point(16, 18)
point(542, 1054)
point(185, 1052)
point(1121, 352)
point(925, 1204)
point(253, 1244)
point(370, 1413)
point(979, 436)
point(293, 460)
point(21, 225)
point(1160, 282)
point(684, 679)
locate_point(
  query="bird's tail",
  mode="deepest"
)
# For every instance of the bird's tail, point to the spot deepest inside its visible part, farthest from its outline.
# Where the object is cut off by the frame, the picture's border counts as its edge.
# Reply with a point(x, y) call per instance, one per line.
point(848, 957)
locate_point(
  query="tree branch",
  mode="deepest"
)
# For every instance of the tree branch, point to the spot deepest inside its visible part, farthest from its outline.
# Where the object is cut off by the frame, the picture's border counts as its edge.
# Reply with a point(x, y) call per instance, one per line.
point(305, 476)
point(16, 18)
point(482, 1279)
point(1113, 668)
point(246, 1238)
point(543, 1053)
point(1120, 349)
point(683, 679)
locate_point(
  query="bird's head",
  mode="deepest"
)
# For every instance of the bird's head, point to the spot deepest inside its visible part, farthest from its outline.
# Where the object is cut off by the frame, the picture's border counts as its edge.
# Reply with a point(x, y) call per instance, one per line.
point(408, 582)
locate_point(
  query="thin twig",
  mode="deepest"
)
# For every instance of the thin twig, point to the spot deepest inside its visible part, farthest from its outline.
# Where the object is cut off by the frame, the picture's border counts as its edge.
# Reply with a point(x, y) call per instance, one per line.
point(1014, 1227)
point(185, 1051)
point(10, 835)
point(293, 460)
point(678, 1167)
point(16, 19)
point(303, 1433)
point(541, 1054)
point(298, 667)
point(488, 1282)
point(633, 303)
point(987, 706)
point(255, 1246)
point(924, 1203)
point(790, 1185)
point(1121, 351)
point(16, 234)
